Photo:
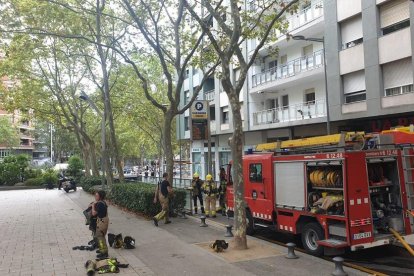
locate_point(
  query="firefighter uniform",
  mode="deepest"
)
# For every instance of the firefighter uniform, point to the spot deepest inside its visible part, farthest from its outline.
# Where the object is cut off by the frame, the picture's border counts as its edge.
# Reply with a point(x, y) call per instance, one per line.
point(100, 233)
point(222, 196)
point(210, 190)
point(196, 186)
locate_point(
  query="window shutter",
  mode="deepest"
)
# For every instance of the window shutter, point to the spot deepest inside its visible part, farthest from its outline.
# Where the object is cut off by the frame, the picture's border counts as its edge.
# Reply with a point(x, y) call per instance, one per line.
point(354, 82)
point(397, 73)
point(351, 29)
point(393, 12)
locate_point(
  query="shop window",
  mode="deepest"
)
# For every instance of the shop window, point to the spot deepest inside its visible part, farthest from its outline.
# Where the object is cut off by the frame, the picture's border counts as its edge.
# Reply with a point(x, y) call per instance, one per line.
point(255, 173)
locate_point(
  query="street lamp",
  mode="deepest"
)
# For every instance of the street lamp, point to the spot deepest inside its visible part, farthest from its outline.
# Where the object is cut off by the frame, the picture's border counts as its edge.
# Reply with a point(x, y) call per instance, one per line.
point(83, 96)
point(321, 40)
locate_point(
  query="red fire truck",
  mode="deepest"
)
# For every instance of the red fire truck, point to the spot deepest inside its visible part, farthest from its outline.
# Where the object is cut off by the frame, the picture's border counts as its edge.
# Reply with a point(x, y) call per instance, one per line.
point(339, 191)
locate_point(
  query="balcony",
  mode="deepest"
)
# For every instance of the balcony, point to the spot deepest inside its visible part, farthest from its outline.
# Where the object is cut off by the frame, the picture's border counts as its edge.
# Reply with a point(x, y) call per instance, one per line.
point(296, 112)
point(213, 127)
point(209, 95)
point(297, 20)
point(291, 69)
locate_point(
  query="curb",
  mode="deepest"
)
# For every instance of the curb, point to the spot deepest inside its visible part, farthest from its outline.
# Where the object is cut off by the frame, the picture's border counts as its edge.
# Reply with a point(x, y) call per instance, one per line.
point(13, 188)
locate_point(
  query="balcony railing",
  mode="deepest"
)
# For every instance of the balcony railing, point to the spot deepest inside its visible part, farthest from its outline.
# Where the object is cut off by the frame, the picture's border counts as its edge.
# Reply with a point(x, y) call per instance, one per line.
point(297, 20)
point(302, 111)
point(290, 69)
point(209, 95)
point(213, 126)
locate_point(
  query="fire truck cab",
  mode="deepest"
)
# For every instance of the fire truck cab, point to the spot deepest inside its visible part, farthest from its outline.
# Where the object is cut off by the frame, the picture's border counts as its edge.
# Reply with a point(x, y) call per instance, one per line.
point(350, 196)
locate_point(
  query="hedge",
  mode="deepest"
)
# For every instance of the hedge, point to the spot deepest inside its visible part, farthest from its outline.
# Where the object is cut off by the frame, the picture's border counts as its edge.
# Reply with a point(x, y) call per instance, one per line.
point(138, 197)
point(87, 182)
point(38, 181)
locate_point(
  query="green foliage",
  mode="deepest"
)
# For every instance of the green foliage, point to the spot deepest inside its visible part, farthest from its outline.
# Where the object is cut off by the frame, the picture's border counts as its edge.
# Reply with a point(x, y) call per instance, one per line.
point(32, 173)
point(75, 167)
point(9, 136)
point(87, 182)
point(50, 177)
point(34, 182)
point(138, 197)
point(12, 169)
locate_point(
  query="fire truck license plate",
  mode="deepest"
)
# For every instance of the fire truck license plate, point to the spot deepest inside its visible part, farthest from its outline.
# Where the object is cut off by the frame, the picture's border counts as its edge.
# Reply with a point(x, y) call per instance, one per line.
point(362, 235)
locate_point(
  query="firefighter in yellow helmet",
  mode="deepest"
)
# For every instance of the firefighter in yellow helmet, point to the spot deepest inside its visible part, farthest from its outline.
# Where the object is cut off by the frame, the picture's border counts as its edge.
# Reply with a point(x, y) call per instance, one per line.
point(210, 190)
point(196, 186)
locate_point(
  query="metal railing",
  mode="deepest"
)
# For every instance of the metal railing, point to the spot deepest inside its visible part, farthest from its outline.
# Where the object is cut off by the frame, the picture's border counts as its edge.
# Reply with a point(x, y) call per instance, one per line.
point(209, 95)
point(302, 111)
point(290, 69)
point(297, 20)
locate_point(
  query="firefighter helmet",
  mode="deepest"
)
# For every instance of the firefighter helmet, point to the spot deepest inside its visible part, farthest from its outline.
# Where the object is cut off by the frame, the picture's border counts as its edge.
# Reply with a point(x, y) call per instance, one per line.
point(209, 177)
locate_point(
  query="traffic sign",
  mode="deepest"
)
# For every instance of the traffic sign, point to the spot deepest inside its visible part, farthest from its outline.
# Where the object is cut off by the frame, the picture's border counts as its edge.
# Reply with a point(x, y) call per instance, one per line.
point(199, 110)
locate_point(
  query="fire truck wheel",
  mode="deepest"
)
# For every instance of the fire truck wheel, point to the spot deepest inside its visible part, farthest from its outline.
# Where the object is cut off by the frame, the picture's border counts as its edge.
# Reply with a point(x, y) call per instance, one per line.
point(312, 232)
point(250, 223)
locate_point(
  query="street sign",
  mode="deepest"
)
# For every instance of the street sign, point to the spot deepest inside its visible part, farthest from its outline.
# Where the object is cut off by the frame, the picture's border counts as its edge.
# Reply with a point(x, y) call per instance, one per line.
point(199, 110)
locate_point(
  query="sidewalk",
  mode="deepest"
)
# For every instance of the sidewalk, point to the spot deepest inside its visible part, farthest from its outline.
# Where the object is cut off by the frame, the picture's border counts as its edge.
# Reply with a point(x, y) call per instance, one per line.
point(40, 228)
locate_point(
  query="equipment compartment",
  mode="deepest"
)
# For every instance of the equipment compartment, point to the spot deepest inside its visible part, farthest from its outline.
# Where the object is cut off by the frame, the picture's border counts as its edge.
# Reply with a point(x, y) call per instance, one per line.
point(385, 195)
point(325, 187)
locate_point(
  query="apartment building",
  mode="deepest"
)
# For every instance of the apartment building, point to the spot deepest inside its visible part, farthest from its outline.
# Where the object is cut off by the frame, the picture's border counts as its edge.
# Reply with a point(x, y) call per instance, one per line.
point(369, 75)
point(20, 120)
point(370, 69)
point(283, 97)
point(25, 127)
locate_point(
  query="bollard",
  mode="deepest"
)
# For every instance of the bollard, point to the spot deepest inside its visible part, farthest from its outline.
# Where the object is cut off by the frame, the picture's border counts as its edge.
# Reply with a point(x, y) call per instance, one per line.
point(228, 232)
point(291, 251)
point(339, 270)
point(203, 221)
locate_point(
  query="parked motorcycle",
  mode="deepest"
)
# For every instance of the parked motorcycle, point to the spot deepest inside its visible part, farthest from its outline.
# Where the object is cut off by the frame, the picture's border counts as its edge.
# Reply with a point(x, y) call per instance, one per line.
point(69, 184)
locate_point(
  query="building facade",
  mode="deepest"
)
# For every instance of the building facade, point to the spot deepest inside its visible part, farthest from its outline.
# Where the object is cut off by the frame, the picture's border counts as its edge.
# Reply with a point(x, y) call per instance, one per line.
point(369, 74)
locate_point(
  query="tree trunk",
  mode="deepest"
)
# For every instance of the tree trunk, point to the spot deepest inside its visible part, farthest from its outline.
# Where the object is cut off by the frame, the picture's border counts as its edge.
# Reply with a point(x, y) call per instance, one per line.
point(93, 160)
point(168, 151)
point(86, 158)
point(236, 145)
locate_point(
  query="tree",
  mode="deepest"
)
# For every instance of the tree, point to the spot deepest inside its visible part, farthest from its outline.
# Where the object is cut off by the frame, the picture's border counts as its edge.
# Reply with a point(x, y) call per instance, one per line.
point(233, 27)
point(9, 136)
point(49, 78)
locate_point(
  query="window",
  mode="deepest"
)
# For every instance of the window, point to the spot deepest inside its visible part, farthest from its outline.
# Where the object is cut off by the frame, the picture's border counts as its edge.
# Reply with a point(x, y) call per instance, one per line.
point(396, 27)
point(4, 153)
point(398, 77)
point(354, 86)
point(283, 59)
point(225, 115)
point(355, 97)
point(186, 73)
point(394, 15)
point(310, 96)
point(186, 97)
point(186, 123)
point(409, 88)
point(212, 113)
point(285, 101)
point(351, 32)
point(255, 173)
point(308, 50)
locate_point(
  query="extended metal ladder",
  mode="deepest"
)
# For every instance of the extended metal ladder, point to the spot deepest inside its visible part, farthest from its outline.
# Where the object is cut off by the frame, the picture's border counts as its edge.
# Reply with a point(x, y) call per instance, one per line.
point(408, 166)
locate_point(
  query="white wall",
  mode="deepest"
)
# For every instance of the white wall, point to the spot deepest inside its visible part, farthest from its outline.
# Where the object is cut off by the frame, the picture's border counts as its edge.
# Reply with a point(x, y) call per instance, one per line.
point(351, 59)
point(394, 46)
point(348, 8)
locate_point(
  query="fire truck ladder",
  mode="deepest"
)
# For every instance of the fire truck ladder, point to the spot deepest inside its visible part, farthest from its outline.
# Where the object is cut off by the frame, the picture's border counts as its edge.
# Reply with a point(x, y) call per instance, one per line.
point(333, 142)
point(408, 166)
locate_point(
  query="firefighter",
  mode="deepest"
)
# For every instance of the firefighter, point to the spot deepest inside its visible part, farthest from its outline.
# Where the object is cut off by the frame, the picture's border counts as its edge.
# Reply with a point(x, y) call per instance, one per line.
point(210, 190)
point(222, 191)
point(100, 211)
point(196, 186)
